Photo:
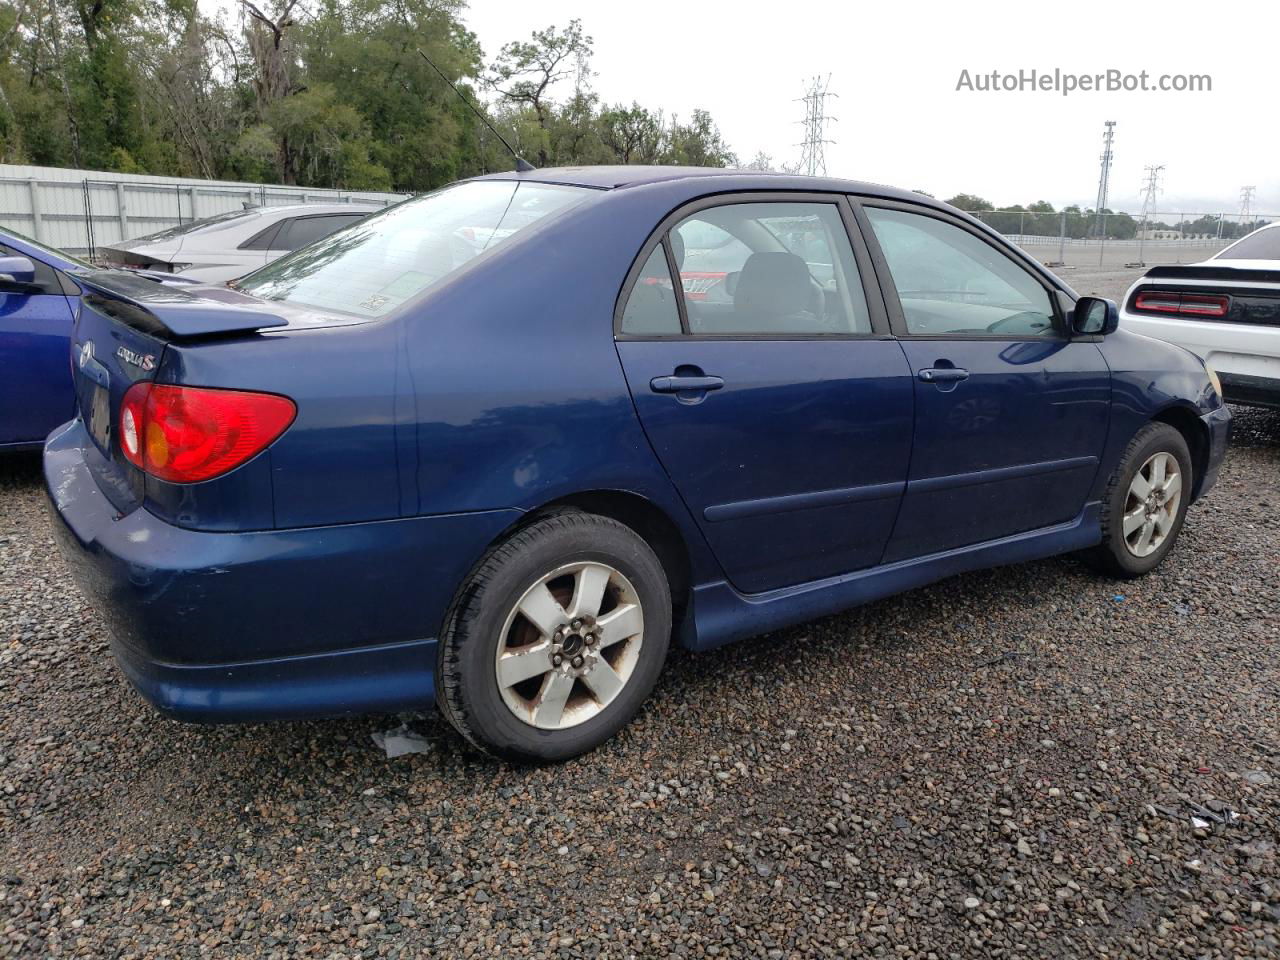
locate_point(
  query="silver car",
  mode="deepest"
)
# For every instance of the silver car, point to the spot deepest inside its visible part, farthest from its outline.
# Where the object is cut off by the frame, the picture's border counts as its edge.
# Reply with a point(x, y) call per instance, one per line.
point(229, 245)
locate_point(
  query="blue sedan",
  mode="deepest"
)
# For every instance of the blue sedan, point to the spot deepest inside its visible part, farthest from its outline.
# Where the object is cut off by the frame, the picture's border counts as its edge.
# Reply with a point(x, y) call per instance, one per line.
point(498, 446)
point(37, 310)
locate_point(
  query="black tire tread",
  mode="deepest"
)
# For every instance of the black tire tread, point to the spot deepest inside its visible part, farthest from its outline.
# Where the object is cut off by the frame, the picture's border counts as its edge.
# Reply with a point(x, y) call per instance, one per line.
point(465, 606)
point(1102, 557)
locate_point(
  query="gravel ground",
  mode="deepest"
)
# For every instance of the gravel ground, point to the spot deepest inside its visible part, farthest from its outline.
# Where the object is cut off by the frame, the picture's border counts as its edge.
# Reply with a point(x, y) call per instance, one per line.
point(1004, 764)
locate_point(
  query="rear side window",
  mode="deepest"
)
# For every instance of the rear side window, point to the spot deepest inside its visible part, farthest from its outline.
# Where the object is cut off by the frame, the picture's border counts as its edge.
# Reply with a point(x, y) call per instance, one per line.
point(393, 256)
point(299, 231)
point(769, 269)
point(951, 283)
point(651, 308)
point(1262, 245)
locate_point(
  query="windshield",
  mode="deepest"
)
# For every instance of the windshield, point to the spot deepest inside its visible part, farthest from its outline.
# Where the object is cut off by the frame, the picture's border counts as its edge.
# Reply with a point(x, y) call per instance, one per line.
point(374, 266)
point(52, 251)
point(193, 225)
point(1261, 245)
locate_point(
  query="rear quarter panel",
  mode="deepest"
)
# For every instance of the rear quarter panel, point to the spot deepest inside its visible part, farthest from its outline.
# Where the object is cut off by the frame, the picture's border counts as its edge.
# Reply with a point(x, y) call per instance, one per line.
point(518, 393)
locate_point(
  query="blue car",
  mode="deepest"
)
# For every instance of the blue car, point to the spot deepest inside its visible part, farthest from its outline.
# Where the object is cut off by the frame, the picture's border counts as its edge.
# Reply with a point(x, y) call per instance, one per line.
point(488, 448)
point(37, 310)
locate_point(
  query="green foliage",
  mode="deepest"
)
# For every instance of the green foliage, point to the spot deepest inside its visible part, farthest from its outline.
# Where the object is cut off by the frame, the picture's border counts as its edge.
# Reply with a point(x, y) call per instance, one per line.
point(336, 96)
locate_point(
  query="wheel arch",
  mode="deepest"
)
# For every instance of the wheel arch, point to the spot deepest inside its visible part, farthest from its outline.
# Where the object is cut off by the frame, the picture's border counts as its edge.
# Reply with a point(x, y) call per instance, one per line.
point(649, 521)
point(1187, 422)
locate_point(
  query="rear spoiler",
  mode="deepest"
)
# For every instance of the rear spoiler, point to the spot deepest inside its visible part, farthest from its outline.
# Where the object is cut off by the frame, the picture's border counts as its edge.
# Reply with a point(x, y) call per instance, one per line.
point(1201, 272)
point(167, 312)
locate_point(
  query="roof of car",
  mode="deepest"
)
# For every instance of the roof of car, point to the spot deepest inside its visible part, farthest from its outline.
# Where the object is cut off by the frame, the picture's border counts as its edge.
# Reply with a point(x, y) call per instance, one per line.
point(618, 177)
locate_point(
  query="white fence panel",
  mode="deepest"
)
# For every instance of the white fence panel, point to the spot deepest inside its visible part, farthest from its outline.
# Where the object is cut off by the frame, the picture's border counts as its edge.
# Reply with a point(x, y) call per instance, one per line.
point(82, 210)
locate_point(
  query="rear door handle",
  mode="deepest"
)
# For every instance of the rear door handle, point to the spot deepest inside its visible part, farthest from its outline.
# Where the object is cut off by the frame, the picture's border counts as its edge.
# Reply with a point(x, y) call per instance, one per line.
point(943, 374)
point(681, 384)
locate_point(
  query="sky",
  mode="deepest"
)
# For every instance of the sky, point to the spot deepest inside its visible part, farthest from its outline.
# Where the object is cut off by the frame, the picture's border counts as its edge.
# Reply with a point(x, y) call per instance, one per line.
point(900, 119)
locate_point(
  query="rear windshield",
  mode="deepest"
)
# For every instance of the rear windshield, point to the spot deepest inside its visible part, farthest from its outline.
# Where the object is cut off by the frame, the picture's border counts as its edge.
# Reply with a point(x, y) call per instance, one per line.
point(1262, 245)
point(191, 226)
point(371, 268)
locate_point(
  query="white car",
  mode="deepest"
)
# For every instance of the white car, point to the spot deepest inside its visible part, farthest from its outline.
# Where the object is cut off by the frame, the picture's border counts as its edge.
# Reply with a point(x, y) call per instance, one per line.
point(229, 245)
point(1226, 310)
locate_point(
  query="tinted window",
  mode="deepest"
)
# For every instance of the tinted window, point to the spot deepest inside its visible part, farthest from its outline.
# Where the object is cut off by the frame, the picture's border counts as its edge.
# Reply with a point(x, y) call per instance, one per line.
point(769, 268)
point(262, 239)
point(952, 282)
point(45, 275)
point(1262, 245)
point(393, 256)
point(651, 307)
point(299, 231)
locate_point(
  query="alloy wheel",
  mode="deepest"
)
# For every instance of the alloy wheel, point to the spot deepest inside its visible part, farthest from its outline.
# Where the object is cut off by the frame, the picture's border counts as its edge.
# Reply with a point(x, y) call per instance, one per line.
point(1151, 506)
point(569, 645)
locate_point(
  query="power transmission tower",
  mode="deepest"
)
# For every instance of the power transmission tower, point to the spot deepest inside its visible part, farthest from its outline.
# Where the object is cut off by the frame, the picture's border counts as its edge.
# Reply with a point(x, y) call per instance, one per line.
point(1246, 204)
point(1151, 189)
point(813, 160)
point(1104, 181)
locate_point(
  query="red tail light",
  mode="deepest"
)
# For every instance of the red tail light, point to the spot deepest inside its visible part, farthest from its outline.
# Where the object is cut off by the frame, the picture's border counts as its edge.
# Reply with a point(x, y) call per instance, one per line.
point(1187, 304)
point(189, 434)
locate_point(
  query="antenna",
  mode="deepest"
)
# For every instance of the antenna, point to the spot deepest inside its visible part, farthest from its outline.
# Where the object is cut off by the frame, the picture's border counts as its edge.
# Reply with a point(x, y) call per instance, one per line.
point(813, 161)
point(522, 165)
point(1104, 181)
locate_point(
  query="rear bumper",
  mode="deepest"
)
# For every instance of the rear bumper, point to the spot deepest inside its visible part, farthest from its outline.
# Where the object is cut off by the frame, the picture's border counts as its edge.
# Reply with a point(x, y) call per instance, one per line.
point(263, 625)
point(1251, 391)
point(1235, 349)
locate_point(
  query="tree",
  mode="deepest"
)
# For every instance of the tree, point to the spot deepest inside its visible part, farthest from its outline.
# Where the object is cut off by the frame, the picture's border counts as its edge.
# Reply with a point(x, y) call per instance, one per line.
point(970, 203)
point(525, 71)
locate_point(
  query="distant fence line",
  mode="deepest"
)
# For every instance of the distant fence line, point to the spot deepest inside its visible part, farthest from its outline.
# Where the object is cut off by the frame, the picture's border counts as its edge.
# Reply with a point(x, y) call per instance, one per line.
point(80, 211)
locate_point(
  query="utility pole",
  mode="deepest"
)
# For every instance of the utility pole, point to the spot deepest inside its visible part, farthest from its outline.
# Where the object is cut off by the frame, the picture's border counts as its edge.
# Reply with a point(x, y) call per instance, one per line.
point(1151, 188)
point(1246, 204)
point(1104, 181)
point(813, 160)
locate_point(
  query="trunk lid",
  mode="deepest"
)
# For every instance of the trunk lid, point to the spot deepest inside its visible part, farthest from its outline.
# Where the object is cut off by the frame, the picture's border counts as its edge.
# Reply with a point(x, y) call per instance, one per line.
point(123, 325)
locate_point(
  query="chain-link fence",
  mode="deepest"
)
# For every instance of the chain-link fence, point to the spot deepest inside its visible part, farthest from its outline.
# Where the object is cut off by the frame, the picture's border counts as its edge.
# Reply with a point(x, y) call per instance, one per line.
point(81, 211)
point(1115, 240)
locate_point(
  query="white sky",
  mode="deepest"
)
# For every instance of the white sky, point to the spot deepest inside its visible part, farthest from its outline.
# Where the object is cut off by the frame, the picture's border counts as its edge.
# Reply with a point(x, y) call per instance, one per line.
point(901, 120)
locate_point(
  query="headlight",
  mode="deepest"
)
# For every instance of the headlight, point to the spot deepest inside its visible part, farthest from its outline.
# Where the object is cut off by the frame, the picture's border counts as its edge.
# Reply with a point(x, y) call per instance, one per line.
point(1213, 378)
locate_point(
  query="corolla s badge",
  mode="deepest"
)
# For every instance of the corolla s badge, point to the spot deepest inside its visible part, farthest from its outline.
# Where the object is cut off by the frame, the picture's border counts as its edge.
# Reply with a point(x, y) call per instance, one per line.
point(86, 353)
point(145, 361)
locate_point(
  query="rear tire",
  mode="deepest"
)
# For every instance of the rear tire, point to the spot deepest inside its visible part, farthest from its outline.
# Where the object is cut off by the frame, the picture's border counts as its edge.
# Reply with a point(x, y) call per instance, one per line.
point(1145, 503)
point(555, 640)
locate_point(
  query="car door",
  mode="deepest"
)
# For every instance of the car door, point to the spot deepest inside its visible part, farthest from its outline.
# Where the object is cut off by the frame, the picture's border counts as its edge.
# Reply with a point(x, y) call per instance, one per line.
point(768, 385)
point(35, 356)
point(1011, 412)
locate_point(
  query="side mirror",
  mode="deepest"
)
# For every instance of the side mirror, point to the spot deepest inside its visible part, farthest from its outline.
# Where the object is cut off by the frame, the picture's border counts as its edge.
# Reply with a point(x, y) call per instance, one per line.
point(1094, 317)
point(17, 274)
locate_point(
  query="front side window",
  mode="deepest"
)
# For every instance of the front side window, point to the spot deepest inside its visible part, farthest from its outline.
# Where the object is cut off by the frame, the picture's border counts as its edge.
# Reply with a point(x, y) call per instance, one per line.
point(393, 256)
point(951, 283)
point(774, 269)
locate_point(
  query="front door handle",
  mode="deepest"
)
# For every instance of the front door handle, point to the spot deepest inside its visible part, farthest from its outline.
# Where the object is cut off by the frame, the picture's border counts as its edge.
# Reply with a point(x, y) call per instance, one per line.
point(682, 384)
point(943, 374)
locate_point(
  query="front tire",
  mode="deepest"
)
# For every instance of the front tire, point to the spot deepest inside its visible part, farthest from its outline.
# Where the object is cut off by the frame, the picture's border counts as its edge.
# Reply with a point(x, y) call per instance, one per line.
point(1145, 503)
point(555, 640)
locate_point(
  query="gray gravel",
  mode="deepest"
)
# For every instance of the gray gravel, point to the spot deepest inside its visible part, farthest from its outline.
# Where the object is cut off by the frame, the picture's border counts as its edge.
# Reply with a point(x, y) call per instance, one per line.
point(1000, 765)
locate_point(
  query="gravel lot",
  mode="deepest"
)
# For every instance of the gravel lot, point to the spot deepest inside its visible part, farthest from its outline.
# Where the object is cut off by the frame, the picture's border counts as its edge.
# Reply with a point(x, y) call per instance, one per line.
point(999, 765)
